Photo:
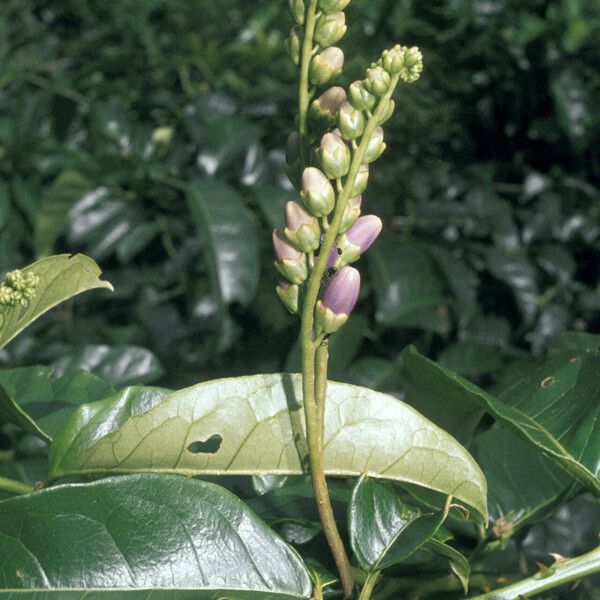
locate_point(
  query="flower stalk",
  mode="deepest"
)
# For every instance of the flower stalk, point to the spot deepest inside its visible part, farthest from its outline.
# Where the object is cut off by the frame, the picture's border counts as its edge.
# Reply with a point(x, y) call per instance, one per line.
point(339, 135)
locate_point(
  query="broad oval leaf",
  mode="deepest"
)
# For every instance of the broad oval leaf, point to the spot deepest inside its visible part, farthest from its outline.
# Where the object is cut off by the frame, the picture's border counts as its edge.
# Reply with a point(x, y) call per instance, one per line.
point(555, 408)
point(383, 530)
point(254, 426)
point(146, 531)
point(60, 278)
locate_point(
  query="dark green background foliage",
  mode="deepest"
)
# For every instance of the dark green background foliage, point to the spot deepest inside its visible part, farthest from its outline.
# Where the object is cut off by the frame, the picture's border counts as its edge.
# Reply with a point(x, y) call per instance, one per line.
point(149, 134)
point(488, 190)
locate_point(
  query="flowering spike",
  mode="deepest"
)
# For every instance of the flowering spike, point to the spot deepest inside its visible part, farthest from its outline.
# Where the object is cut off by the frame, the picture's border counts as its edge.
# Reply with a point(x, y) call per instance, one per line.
point(330, 29)
point(324, 110)
point(317, 192)
point(334, 155)
point(326, 66)
point(302, 231)
point(359, 238)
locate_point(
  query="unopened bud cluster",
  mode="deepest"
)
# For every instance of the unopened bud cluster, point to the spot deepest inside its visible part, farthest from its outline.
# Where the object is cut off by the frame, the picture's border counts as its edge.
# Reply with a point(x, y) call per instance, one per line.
point(18, 288)
point(345, 137)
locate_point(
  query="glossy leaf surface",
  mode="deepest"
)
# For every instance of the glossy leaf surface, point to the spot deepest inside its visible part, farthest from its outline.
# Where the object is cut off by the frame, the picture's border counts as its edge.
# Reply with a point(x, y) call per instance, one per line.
point(555, 408)
point(144, 531)
point(191, 432)
point(38, 403)
point(384, 530)
point(522, 485)
point(60, 278)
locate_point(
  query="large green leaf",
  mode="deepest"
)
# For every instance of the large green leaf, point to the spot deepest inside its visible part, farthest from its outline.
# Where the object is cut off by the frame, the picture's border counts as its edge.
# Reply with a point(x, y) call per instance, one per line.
point(40, 404)
point(555, 408)
point(254, 425)
point(147, 531)
point(60, 277)
point(383, 530)
point(408, 288)
point(522, 485)
point(231, 240)
point(439, 397)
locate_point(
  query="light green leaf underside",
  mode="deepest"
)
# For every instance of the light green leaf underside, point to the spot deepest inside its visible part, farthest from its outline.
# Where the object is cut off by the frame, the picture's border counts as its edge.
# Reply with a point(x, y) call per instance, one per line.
point(162, 535)
point(258, 421)
point(60, 278)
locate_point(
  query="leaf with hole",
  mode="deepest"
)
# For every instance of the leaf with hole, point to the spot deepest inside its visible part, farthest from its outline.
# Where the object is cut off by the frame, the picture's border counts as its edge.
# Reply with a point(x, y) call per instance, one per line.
point(366, 432)
point(179, 537)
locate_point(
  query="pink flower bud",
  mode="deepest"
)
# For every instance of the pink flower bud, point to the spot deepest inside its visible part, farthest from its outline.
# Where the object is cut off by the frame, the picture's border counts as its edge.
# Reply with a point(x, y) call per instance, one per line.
point(364, 232)
point(341, 294)
point(296, 216)
point(283, 250)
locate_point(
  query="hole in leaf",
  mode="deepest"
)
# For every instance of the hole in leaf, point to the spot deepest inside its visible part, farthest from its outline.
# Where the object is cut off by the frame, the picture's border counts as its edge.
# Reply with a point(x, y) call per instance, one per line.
point(548, 381)
point(209, 446)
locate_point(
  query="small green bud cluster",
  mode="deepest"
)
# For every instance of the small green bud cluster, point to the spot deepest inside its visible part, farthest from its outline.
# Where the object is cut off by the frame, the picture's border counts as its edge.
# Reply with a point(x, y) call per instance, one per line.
point(18, 288)
point(329, 166)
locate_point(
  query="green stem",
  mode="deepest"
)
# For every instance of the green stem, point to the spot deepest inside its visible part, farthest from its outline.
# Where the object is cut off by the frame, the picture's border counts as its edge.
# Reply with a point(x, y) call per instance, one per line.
point(303, 92)
point(15, 487)
point(559, 574)
point(369, 585)
point(322, 358)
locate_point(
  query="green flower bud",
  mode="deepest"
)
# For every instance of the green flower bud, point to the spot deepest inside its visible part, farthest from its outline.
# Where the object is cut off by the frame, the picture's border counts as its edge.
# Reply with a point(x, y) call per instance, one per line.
point(393, 60)
point(293, 45)
point(331, 6)
point(359, 96)
point(18, 288)
point(360, 183)
point(317, 192)
point(324, 110)
point(377, 81)
point(413, 65)
point(303, 231)
point(375, 147)
point(289, 295)
point(297, 11)
point(334, 156)
point(351, 122)
point(388, 112)
point(326, 66)
point(330, 29)
point(351, 213)
point(290, 263)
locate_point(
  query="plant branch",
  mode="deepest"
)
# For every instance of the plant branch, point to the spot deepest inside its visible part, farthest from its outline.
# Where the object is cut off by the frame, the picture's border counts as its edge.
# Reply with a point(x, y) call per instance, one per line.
point(369, 585)
point(15, 487)
point(549, 578)
point(304, 92)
